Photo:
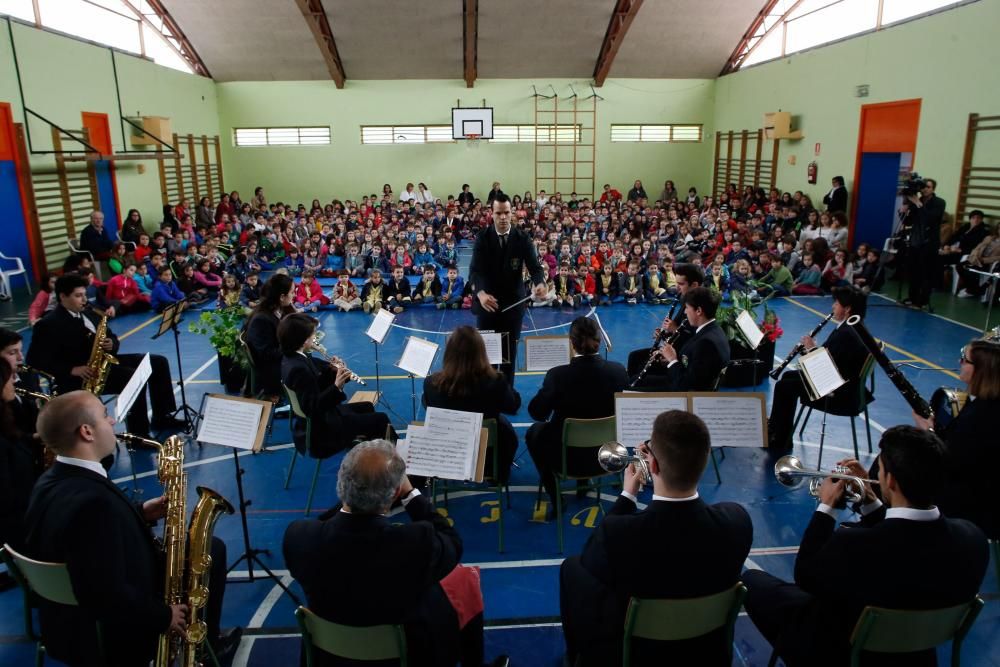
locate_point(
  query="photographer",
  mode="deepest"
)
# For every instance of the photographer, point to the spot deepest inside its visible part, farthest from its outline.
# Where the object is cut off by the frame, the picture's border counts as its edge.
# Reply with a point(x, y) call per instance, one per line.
point(925, 238)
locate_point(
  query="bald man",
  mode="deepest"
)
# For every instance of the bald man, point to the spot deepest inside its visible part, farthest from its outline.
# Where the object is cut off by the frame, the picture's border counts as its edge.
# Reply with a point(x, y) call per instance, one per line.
point(77, 516)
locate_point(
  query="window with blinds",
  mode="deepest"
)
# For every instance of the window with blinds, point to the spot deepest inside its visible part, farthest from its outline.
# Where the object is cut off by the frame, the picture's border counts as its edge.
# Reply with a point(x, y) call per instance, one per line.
point(405, 134)
point(280, 136)
point(530, 134)
point(656, 133)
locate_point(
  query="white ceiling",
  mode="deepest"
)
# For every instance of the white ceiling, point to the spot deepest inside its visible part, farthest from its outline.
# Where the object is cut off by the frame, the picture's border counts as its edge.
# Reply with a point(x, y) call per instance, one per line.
point(259, 40)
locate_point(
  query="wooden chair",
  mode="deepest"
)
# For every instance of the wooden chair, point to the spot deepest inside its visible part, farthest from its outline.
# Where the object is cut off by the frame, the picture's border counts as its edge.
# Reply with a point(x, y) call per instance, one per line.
point(365, 644)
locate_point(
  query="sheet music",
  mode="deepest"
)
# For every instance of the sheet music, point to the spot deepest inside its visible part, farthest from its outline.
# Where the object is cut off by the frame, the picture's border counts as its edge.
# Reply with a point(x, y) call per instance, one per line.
point(494, 347)
point(380, 325)
point(136, 383)
point(446, 446)
point(544, 352)
point(732, 421)
point(749, 328)
point(418, 355)
point(230, 422)
point(821, 372)
point(636, 412)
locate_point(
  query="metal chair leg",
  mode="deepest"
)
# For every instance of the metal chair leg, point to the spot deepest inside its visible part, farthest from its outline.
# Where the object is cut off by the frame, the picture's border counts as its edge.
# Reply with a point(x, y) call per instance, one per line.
point(559, 526)
point(854, 438)
point(822, 439)
point(500, 518)
point(312, 487)
point(291, 467)
point(774, 658)
point(718, 477)
point(868, 429)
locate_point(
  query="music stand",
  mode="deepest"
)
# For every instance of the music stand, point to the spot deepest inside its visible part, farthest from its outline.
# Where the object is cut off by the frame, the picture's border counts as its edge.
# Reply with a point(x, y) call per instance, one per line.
point(991, 293)
point(416, 360)
point(172, 316)
point(240, 424)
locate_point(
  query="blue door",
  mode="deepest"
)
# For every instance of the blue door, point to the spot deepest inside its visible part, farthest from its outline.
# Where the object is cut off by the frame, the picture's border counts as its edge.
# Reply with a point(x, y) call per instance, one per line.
point(106, 192)
point(876, 192)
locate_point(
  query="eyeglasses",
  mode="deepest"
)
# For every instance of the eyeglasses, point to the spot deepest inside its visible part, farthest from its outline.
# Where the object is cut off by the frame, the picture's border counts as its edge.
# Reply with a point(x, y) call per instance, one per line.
point(962, 359)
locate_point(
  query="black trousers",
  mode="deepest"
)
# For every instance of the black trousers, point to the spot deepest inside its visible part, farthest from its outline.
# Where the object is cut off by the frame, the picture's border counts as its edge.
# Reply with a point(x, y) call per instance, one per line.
point(340, 428)
point(922, 260)
point(216, 588)
point(160, 385)
point(545, 448)
point(773, 605)
point(785, 399)
point(508, 323)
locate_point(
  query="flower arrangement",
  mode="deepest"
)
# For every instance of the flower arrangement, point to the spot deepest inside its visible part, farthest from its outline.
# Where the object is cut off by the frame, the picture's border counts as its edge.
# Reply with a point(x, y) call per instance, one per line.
point(223, 330)
point(726, 316)
point(771, 326)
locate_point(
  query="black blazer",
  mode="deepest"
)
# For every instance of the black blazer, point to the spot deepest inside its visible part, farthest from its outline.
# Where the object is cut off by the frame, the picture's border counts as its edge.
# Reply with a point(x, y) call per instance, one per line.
point(972, 459)
point(836, 200)
point(699, 549)
point(584, 388)
point(360, 569)
point(498, 272)
point(926, 230)
point(19, 468)
point(80, 518)
point(93, 241)
point(895, 563)
point(60, 341)
point(849, 354)
point(490, 396)
point(319, 397)
point(707, 353)
point(261, 335)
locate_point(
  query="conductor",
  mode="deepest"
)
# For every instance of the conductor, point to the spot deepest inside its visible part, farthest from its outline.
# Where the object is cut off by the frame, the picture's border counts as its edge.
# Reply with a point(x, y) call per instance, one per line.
point(498, 257)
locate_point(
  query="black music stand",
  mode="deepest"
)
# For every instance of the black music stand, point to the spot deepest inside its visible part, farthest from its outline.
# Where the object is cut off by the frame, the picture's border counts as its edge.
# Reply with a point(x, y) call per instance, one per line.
point(172, 316)
point(411, 367)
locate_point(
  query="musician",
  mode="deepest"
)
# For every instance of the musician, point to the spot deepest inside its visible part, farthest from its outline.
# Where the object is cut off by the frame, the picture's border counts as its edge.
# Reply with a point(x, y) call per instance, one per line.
point(904, 555)
point(362, 567)
point(970, 441)
point(498, 256)
point(261, 333)
point(584, 389)
point(25, 409)
point(61, 344)
point(319, 388)
point(19, 468)
point(467, 382)
point(697, 364)
point(849, 355)
point(687, 276)
point(77, 516)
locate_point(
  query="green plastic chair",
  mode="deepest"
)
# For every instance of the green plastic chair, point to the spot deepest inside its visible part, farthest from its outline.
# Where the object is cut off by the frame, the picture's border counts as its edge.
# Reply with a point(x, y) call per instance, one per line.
point(672, 620)
point(867, 377)
point(493, 443)
point(46, 581)
point(581, 434)
point(293, 402)
point(371, 643)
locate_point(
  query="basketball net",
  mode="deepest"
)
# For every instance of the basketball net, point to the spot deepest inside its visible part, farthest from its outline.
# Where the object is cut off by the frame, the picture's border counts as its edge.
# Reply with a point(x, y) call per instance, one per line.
point(472, 141)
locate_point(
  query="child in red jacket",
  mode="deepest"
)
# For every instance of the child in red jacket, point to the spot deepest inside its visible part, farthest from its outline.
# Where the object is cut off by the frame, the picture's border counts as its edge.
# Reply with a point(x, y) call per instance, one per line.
point(308, 293)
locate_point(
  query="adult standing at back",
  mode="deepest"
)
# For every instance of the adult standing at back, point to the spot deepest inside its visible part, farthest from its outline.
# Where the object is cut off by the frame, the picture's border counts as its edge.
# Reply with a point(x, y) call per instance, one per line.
point(498, 258)
point(836, 199)
point(925, 239)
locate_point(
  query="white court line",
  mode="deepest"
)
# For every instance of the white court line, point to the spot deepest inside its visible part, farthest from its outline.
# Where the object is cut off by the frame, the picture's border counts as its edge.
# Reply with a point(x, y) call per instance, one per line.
point(525, 331)
point(940, 317)
point(201, 462)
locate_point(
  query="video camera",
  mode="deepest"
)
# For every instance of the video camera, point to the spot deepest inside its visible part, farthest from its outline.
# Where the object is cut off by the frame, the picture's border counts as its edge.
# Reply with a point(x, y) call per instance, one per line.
point(912, 185)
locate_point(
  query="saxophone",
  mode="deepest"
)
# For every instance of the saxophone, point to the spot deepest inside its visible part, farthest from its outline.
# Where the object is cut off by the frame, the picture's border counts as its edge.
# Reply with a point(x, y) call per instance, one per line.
point(100, 361)
point(188, 553)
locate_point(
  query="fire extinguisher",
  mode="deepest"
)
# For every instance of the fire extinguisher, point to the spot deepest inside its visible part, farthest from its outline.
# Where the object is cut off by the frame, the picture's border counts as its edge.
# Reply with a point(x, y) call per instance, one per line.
point(811, 173)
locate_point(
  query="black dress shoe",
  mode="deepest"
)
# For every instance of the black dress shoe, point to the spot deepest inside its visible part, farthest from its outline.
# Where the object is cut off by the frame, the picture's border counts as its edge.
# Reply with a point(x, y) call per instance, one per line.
point(226, 643)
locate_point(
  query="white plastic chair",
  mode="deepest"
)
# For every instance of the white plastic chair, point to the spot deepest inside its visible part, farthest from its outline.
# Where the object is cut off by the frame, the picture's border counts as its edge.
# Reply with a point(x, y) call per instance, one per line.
point(74, 247)
point(5, 276)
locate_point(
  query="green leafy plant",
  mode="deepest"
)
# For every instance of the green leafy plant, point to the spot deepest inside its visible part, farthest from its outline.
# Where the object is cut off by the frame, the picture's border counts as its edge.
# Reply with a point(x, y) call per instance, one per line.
point(223, 330)
point(726, 318)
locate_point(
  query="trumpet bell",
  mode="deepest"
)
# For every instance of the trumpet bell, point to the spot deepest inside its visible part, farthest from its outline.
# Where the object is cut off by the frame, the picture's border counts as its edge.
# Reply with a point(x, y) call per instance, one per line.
point(613, 456)
point(789, 471)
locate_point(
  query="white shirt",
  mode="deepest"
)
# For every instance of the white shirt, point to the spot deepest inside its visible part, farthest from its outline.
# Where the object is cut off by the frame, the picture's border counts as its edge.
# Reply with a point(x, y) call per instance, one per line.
point(909, 513)
point(628, 495)
point(424, 197)
point(92, 466)
point(86, 321)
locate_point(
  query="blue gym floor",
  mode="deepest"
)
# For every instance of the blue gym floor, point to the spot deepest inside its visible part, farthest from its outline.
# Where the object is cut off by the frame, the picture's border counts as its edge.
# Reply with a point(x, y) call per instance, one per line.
point(520, 586)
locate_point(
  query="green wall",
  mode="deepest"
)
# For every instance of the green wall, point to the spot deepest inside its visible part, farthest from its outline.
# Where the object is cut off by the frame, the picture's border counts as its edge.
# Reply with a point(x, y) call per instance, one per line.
point(348, 168)
point(62, 77)
point(943, 59)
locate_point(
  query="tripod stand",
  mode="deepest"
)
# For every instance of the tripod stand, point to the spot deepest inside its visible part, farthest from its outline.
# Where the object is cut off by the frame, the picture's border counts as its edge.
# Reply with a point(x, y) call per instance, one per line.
point(172, 317)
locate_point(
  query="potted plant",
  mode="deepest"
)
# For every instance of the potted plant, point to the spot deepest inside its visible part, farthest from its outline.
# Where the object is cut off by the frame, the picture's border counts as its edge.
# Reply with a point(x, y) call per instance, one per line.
point(223, 330)
point(748, 374)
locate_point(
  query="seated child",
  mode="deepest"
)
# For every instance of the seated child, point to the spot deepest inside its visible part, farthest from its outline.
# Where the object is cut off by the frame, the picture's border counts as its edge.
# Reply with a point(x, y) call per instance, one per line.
point(397, 291)
point(308, 293)
point(656, 291)
point(205, 278)
point(808, 282)
point(229, 293)
point(374, 294)
point(165, 292)
point(429, 287)
point(123, 291)
point(451, 290)
point(143, 278)
point(345, 293)
point(607, 285)
point(193, 291)
point(778, 280)
point(565, 288)
point(631, 284)
point(294, 262)
point(354, 263)
point(251, 292)
point(585, 285)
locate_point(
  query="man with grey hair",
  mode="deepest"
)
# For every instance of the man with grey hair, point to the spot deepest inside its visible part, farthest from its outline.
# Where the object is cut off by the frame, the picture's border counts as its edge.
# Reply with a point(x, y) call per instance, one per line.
point(359, 568)
point(94, 239)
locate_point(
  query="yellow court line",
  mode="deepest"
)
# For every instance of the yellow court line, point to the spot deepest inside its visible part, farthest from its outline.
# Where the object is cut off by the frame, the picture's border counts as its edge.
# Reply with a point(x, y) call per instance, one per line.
point(141, 326)
point(930, 365)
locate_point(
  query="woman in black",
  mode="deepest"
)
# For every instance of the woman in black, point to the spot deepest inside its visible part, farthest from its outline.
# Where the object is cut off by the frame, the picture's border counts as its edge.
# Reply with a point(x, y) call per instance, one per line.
point(973, 454)
point(261, 332)
point(20, 466)
point(467, 382)
point(319, 389)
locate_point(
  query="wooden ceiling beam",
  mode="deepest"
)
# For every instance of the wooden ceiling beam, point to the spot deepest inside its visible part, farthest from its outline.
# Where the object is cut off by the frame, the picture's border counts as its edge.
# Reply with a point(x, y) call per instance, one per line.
point(470, 39)
point(622, 17)
point(169, 29)
point(315, 17)
point(744, 48)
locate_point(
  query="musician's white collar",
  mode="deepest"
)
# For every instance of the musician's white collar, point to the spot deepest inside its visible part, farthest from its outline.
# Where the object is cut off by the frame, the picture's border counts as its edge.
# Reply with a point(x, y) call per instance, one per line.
point(704, 325)
point(93, 466)
point(933, 514)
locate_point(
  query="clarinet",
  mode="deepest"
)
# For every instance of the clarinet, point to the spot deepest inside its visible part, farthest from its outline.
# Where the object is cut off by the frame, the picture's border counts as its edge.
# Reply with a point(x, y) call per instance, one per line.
point(661, 337)
point(909, 392)
point(798, 349)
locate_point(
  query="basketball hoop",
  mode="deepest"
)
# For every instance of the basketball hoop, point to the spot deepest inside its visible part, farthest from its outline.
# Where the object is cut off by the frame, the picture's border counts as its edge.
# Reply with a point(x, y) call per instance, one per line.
point(472, 141)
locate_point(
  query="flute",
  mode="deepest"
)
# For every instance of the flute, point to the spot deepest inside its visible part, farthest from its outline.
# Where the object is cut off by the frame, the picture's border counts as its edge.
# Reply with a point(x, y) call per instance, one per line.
point(337, 363)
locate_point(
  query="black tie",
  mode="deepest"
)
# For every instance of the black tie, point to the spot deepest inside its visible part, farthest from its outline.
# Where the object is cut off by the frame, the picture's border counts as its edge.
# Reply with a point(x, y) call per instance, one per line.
point(503, 241)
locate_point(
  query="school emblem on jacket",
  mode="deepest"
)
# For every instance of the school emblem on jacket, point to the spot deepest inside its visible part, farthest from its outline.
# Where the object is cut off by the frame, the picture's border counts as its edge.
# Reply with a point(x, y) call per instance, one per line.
point(515, 263)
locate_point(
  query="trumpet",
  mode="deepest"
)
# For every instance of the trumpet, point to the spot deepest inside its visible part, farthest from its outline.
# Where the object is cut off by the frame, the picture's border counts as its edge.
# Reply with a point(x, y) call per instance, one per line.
point(790, 472)
point(317, 347)
point(614, 457)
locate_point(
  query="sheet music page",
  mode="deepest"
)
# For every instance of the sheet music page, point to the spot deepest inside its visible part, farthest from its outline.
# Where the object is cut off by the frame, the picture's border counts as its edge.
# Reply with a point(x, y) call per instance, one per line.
point(230, 422)
point(494, 347)
point(732, 421)
point(136, 383)
point(544, 352)
point(418, 355)
point(464, 427)
point(821, 371)
point(636, 412)
point(749, 328)
point(380, 325)
point(446, 446)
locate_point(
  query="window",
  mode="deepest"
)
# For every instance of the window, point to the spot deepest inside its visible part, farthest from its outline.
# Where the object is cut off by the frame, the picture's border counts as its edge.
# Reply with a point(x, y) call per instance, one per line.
point(405, 134)
point(280, 136)
point(542, 134)
point(656, 133)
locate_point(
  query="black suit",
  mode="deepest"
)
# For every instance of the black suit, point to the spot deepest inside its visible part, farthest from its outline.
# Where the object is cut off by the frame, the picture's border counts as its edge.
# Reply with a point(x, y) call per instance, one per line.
point(895, 563)
point(972, 459)
point(849, 355)
point(922, 253)
point(335, 424)
point(490, 396)
point(498, 272)
point(585, 389)
point(95, 242)
point(699, 362)
point(836, 200)
point(637, 358)
point(692, 549)
point(60, 341)
point(19, 468)
point(362, 569)
point(261, 335)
